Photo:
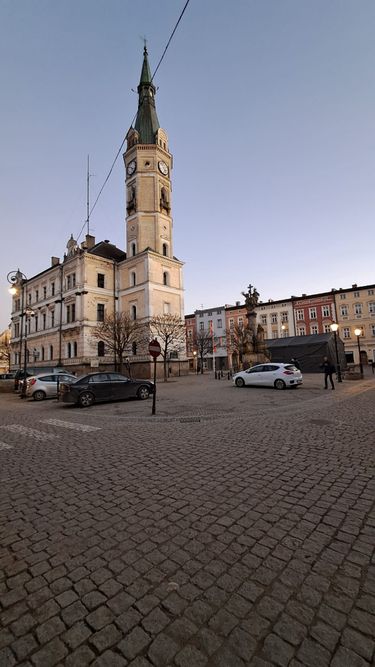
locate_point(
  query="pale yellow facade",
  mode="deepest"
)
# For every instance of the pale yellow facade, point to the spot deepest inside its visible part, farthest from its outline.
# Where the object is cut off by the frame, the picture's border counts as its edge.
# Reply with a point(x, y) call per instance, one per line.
point(355, 308)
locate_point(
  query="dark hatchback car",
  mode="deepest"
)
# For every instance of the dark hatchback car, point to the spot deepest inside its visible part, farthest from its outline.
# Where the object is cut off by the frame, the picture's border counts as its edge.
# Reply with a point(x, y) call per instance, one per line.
point(99, 387)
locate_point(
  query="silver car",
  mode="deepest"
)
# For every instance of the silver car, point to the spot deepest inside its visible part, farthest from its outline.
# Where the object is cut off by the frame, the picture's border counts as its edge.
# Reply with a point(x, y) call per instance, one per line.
point(46, 385)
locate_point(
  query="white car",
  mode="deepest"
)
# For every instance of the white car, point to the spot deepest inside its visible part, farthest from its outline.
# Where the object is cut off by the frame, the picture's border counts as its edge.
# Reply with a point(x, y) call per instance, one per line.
point(275, 375)
point(43, 386)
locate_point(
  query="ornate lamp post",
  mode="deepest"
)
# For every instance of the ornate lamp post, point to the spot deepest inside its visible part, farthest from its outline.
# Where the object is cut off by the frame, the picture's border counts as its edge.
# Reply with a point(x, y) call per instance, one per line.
point(18, 281)
point(358, 333)
point(195, 355)
point(334, 327)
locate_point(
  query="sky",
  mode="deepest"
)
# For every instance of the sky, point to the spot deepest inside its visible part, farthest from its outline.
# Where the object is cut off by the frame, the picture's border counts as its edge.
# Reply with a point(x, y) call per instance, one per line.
point(269, 106)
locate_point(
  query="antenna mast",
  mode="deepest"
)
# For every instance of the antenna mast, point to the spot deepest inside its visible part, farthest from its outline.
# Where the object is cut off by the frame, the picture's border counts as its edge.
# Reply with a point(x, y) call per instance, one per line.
point(88, 195)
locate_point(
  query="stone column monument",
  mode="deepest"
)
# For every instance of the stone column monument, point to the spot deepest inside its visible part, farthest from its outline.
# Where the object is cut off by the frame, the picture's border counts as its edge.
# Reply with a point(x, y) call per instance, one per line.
point(255, 351)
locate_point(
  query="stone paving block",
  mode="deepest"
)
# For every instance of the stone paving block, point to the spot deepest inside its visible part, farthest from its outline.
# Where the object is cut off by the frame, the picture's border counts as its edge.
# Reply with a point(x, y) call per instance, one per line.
point(105, 638)
point(278, 651)
point(7, 657)
point(358, 643)
point(24, 646)
point(312, 654)
point(49, 629)
point(135, 642)
point(190, 656)
point(75, 612)
point(243, 644)
point(76, 635)
point(110, 659)
point(289, 629)
point(346, 658)
point(155, 621)
point(225, 656)
point(162, 650)
point(50, 654)
point(81, 657)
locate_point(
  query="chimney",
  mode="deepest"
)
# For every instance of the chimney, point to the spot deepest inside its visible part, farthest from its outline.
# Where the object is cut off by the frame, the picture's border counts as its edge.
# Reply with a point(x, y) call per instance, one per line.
point(55, 261)
point(237, 303)
point(90, 241)
point(355, 286)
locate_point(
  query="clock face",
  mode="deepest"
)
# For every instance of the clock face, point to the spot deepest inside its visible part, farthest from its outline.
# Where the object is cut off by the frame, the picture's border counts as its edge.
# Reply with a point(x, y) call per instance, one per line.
point(131, 168)
point(163, 167)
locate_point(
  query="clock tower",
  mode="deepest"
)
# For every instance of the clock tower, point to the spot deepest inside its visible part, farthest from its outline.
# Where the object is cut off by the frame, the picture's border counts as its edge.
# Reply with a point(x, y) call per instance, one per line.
point(150, 277)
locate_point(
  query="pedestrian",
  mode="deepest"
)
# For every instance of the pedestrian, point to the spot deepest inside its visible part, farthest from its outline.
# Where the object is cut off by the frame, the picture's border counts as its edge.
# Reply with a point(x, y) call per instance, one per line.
point(295, 363)
point(328, 369)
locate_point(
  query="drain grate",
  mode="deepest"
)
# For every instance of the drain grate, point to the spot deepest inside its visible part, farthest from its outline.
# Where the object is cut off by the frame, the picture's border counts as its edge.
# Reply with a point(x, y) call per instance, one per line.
point(188, 420)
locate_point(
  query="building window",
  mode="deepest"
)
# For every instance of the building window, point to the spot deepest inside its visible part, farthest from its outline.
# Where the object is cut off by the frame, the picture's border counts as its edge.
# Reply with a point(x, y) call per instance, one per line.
point(301, 331)
point(101, 349)
point(16, 330)
point(314, 329)
point(52, 318)
point(327, 328)
point(69, 350)
point(263, 319)
point(371, 307)
point(370, 292)
point(166, 308)
point(284, 317)
point(373, 330)
point(358, 308)
point(36, 295)
point(356, 295)
point(53, 289)
point(71, 312)
point(165, 250)
point(133, 278)
point(133, 249)
point(44, 292)
point(300, 315)
point(220, 324)
point(70, 280)
point(273, 318)
point(326, 311)
point(100, 312)
point(134, 349)
point(342, 297)
point(312, 313)
point(29, 298)
point(344, 311)
point(240, 322)
point(346, 332)
point(75, 346)
point(36, 320)
point(51, 351)
point(218, 312)
point(201, 326)
point(42, 353)
point(134, 312)
point(44, 317)
point(165, 278)
point(231, 324)
point(100, 279)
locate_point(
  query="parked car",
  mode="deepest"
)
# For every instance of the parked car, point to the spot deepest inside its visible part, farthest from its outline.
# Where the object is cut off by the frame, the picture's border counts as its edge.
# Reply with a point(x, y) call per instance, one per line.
point(98, 387)
point(34, 370)
point(44, 386)
point(275, 375)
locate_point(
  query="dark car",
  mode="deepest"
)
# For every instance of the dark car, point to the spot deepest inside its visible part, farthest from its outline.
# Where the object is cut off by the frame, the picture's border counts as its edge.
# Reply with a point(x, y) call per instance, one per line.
point(99, 387)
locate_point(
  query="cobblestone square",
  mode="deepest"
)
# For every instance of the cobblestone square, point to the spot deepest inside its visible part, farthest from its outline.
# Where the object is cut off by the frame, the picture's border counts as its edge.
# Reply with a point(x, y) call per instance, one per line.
point(235, 527)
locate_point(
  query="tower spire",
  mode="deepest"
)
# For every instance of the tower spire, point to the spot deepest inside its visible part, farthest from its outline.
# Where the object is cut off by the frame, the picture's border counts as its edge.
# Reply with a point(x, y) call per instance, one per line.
point(146, 123)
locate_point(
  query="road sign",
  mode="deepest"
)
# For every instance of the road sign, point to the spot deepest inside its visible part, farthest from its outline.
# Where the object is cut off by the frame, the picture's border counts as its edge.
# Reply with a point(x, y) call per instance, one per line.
point(154, 348)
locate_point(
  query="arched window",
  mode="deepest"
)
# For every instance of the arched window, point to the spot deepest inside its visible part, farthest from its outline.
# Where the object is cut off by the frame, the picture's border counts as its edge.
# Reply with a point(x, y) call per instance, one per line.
point(42, 353)
point(133, 249)
point(165, 278)
point(75, 349)
point(134, 312)
point(51, 351)
point(101, 349)
point(165, 250)
point(133, 278)
point(69, 350)
point(134, 349)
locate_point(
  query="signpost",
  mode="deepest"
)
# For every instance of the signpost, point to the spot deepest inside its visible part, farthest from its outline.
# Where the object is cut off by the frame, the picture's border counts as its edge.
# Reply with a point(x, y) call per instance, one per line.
point(155, 350)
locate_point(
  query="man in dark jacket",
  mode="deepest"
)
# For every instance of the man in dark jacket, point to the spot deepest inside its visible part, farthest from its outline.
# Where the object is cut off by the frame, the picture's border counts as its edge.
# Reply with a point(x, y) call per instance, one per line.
point(328, 369)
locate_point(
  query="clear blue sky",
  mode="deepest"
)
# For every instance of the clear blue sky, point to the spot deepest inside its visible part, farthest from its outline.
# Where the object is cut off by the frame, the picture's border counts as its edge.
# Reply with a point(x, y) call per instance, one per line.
point(269, 106)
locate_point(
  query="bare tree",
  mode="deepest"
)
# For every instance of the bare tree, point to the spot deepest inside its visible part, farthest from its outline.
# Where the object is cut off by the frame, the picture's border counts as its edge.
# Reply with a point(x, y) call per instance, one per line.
point(203, 342)
point(170, 331)
point(5, 350)
point(237, 337)
point(118, 332)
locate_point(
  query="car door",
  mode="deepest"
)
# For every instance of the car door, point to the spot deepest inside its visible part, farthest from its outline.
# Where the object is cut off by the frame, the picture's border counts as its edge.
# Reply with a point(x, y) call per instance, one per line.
point(101, 386)
point(270, 374)
point(121, 386)
point(47, 383)
point(254, 375)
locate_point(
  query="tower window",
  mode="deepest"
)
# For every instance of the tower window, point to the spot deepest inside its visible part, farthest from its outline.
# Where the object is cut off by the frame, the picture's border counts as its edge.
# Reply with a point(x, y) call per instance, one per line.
point(165, 250)
point(134, 312)
point(133, 278)
point(133, 249)
point(100, 312)
point(100, 279)
point(165, 278)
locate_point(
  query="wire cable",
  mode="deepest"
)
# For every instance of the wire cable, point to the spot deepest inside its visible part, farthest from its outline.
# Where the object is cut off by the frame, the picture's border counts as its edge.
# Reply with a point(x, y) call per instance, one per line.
point(120, 149)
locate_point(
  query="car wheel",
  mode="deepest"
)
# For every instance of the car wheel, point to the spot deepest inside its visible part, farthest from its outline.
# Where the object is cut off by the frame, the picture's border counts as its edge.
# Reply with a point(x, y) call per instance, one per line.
point(279, 384)
point(86, 399)
point(240, 382)
point(39, 395)
point(143, 393)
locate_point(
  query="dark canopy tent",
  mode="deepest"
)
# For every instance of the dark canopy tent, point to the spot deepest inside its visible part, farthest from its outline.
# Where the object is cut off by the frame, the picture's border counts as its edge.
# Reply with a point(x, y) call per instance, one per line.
point(309, 350)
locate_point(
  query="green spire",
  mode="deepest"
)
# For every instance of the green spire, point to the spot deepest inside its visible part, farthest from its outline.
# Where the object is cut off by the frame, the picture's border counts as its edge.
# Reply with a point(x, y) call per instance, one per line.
point(146, 122)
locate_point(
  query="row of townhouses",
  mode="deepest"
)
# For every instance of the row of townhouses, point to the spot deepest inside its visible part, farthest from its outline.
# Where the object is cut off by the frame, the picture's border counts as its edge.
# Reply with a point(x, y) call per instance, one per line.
point(353, 309)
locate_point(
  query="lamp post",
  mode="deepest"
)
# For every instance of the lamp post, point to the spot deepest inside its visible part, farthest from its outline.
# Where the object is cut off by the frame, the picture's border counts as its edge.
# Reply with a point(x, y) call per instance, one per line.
point(358, 333)
point(18, 281)
point(195, 355)
point(334, 327)
point(283, 327)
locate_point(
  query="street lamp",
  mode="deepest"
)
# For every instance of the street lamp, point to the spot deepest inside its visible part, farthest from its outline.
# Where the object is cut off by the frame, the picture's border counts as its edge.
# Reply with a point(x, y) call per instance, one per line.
point(195, 355)
point(358, 333)
point(18, 281)
point(334, 327)
point(283, 327)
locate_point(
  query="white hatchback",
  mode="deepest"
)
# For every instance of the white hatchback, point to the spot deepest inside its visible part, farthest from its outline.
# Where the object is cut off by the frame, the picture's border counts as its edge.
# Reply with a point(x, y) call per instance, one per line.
point(44, 386)
point(279, 376)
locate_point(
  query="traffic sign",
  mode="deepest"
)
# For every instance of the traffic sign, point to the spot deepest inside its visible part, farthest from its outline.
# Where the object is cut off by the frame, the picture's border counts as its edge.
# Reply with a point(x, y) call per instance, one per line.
point(154, 348)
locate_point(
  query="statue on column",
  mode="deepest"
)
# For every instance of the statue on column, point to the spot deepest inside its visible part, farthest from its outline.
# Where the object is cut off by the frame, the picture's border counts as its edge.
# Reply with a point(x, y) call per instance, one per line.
point(255, 348)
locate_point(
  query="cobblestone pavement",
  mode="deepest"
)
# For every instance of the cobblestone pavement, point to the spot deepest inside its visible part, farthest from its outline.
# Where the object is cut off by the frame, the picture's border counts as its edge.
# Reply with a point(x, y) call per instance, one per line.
point(236, 527)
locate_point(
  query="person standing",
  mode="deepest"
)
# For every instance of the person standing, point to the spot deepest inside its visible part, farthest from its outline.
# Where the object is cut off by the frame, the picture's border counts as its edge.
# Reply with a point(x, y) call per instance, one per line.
point(296, 363)
point(328, 369)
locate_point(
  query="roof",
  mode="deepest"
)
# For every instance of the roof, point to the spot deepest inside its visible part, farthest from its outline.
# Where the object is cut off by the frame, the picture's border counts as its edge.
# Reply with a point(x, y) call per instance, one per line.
point(146, 123)
point(298, 340)
point(108, 251)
